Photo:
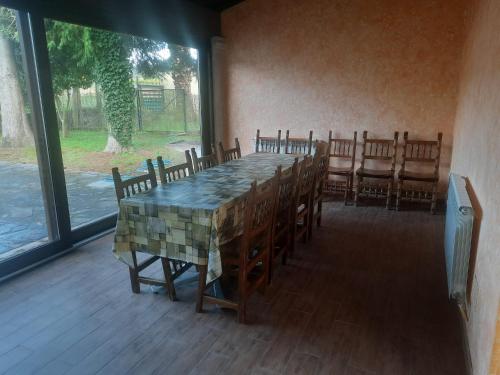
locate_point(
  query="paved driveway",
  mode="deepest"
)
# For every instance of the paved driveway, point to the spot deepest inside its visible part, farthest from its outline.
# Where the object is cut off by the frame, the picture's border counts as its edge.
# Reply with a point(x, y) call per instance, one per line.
point(22, 212)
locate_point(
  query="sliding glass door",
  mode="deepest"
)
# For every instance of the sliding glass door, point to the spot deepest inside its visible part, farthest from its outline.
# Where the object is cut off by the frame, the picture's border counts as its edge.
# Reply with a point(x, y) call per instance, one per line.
point(26, 216)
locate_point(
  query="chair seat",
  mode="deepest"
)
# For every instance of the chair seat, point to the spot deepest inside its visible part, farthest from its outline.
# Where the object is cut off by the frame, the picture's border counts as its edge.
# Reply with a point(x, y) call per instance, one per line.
point(415, 176)
point(375, 173)
point(340, 171)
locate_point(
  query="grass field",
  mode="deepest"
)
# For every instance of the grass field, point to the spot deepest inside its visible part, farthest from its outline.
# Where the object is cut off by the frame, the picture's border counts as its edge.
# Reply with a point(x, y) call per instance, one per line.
point(83, 151)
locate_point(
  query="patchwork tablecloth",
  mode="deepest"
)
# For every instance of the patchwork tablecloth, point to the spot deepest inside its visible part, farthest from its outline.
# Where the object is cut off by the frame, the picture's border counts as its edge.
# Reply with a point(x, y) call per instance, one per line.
point(188, 219)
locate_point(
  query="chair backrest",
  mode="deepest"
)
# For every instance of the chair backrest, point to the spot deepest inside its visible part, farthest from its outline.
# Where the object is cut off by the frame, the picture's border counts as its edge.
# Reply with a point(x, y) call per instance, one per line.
point(422, 152)
point(321, 158)
point(268, 144)
point(343, 148)
point(175, 172)
point(231, 153)
point(200, 163)
point(379, 149)
point(321, 148)
point(134, 185)
point(259, 215)
point(287, 190)
point(306, 177)
point(298, 145)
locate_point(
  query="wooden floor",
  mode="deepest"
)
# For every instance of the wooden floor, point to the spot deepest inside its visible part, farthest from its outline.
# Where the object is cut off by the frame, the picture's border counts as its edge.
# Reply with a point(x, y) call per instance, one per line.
point(366, 296)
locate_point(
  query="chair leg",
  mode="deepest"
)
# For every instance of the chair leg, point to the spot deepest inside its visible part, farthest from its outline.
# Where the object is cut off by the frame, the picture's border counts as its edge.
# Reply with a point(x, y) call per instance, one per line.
point(434, 198)
point(305, 236)
point(242, 311)
point(356, 192)
point(268, 263)
point(168, 279)
point(347, 187)
point(398, 195)
point(320, 208)
point(351, 187)
point(284, 256)
point(242, 303)
point(310, 219)
point(270, 271)
point(202, 283)
point(293, 231)
point(389, 194)
point(134, 275)
point(134, 280)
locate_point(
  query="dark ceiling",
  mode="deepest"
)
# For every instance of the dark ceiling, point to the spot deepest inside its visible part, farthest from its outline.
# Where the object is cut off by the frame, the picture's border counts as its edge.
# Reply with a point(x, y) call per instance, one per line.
point(217, 5)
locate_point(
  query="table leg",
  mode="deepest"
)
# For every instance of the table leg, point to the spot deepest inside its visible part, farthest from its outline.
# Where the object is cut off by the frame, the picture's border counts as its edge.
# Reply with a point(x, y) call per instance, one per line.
point(202, 283)
point(169, 279)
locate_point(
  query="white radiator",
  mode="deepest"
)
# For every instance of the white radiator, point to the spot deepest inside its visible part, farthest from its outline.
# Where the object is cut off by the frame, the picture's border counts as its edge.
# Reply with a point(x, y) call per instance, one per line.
point(457, 240)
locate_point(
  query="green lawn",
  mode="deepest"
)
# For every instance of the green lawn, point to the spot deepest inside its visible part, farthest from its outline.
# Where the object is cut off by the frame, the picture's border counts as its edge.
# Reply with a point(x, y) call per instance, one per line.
point(173, 122)
point(83, 151)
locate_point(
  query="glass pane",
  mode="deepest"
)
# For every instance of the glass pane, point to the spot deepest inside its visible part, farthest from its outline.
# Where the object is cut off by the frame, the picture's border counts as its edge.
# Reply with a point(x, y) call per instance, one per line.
point(23, 222)
point(120, 100)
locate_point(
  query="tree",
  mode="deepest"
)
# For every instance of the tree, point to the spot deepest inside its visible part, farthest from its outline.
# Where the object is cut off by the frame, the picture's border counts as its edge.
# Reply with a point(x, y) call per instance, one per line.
point(81, 55)
point(16, 131)
point(146, 56)
point(182, 67)
point(114, 76)
point(72, 67)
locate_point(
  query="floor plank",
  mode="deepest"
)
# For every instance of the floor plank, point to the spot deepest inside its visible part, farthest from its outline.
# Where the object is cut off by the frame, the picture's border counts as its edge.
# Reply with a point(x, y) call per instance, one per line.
point(366, 296)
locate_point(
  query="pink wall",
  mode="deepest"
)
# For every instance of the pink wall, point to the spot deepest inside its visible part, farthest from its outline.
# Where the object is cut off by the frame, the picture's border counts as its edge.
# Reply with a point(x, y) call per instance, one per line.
point(343, 65)
point(382, 66)
point(476, 154)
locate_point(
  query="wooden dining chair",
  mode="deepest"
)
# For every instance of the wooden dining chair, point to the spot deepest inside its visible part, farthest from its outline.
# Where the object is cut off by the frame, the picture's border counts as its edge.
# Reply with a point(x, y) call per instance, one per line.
point(320, 162)
point(421, 155)
point(247, 257)
point(268, 144)
point(284, 220)
point(305, 186)
point(342, 149)
point(298, 145)
point(175, 172)
point(200, 163)
point(127, 188)
point(230, 153)
point(378, 150)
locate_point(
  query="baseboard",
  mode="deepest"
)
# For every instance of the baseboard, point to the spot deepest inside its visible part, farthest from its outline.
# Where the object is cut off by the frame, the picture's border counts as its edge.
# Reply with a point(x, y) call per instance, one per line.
point(462, 314)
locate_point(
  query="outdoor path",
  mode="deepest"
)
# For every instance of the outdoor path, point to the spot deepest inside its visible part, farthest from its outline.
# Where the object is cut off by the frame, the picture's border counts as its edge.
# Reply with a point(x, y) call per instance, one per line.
point(22, 212)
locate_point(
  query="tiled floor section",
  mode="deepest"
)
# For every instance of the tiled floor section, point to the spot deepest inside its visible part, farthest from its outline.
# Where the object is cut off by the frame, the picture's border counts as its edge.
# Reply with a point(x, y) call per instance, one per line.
point(366, 296)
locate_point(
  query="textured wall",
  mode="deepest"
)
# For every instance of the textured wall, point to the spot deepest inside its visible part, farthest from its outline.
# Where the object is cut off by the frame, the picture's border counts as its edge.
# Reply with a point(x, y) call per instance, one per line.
point(343, 65)
point(476, 154)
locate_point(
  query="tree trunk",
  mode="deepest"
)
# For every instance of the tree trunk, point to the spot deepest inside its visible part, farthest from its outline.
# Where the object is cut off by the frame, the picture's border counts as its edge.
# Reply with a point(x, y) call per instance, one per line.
point(57, 100)
point(76, 108)
point(66, 116)
point(113, 145)
point(16, 131)
point(98, 105)
point(113, 74)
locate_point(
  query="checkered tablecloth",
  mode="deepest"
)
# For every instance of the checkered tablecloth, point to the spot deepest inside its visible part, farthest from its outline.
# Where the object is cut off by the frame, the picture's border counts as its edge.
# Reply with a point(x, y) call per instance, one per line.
point(188, 219)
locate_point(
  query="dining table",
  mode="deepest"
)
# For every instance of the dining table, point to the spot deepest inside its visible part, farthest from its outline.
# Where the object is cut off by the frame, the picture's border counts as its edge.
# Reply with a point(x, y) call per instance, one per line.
point(189, 219)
